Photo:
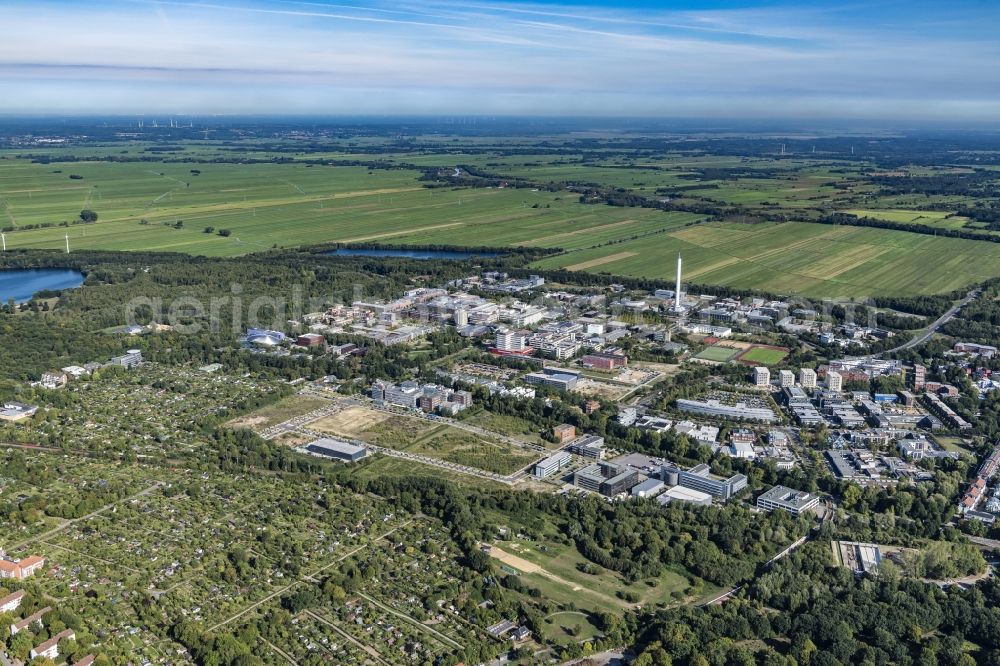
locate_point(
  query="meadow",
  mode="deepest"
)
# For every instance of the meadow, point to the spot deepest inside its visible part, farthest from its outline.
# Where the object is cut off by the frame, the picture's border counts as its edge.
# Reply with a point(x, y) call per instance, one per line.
point(178, 200)
point(797, 257)
point(931, 218)
point(267, 205)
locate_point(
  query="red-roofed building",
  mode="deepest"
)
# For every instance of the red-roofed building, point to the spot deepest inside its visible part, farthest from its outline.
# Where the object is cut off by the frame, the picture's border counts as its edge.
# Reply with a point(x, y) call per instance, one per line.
point(11, 601)
point(50, 648)
point(29, 621)
point(21, 569)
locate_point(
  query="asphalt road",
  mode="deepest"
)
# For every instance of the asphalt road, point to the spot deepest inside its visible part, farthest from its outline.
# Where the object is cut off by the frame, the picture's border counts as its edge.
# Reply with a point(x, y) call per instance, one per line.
point(933, 328)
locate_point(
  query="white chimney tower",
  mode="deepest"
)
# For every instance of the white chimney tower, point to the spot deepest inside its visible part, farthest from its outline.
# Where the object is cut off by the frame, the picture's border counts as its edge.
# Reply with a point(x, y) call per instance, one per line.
point(677, 292)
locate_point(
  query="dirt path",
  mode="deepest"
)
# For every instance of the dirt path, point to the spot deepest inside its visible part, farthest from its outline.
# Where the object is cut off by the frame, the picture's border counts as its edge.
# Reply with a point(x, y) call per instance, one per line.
point(401, 232)
point(525, 566)
point(372, 652)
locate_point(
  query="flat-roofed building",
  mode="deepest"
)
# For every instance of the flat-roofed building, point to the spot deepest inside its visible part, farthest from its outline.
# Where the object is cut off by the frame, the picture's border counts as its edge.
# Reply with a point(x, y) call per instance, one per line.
point(564, 432)
point(700, 478)
point(606, 478)
point(700, 433)
point(310, 340)
point(988, 351)
point(684, 494)
point(588, 446)
point(807, 378)
point(512, 342)
point(337, 449)
point(553, 463)
point(608, 359)
point(648, 488)
point(129, 359)
point(792, 501)
point(834, 381)
point(761, 377)
point(565, 380)
point(738, 409)
point(17, 411)
point(786, 378)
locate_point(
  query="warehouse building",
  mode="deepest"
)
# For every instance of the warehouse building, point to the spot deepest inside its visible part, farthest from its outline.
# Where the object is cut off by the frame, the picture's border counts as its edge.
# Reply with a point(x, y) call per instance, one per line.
point(336, 449)
point(648, 488)
point(683, 494)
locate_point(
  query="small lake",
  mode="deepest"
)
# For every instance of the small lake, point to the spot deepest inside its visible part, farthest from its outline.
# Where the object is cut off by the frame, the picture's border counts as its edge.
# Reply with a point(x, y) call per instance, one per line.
point(20, 284)
point(409, 254)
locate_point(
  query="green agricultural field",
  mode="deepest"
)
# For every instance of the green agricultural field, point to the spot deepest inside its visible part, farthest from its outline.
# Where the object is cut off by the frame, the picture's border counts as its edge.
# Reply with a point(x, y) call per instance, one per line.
point(266, 205)
point(796, 257)
point(718, 354)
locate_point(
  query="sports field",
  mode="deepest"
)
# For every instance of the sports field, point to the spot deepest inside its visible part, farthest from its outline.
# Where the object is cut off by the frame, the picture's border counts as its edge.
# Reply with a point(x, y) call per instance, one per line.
point(716, 354)
point(763, 355)
point(797, 257)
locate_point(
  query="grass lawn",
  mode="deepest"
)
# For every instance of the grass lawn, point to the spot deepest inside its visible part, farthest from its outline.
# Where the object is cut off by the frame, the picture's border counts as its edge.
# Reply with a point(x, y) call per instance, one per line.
point(512, 426)
point(953, 444)
point(589, 591)
point(570, 627)
point(279, 412)
point(423, 437)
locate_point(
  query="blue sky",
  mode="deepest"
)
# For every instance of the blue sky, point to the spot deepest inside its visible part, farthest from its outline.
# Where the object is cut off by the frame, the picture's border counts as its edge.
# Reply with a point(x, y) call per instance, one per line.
point(891, 60)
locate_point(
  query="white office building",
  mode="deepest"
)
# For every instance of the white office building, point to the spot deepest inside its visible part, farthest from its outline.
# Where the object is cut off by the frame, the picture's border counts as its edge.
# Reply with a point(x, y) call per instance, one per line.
point(807, 378)
point(786, 378)
point(834, 381)
point(552, 464)
point(761, 377)
point(793, 501)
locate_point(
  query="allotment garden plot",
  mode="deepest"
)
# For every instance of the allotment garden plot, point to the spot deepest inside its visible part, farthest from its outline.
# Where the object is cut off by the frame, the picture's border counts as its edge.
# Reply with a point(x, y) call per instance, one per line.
point(208, 548)
point(151, 411)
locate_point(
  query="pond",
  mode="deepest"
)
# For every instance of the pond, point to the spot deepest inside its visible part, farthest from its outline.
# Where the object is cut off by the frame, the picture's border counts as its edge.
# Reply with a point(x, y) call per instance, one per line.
point(409, 254)
point(20, 284)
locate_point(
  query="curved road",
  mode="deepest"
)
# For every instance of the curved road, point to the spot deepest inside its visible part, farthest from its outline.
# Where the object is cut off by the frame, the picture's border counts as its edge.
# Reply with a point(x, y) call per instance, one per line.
point(931, 330)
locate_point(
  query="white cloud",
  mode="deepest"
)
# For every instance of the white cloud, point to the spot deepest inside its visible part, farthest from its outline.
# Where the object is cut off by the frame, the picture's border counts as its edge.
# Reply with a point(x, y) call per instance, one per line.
point(472, 57)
